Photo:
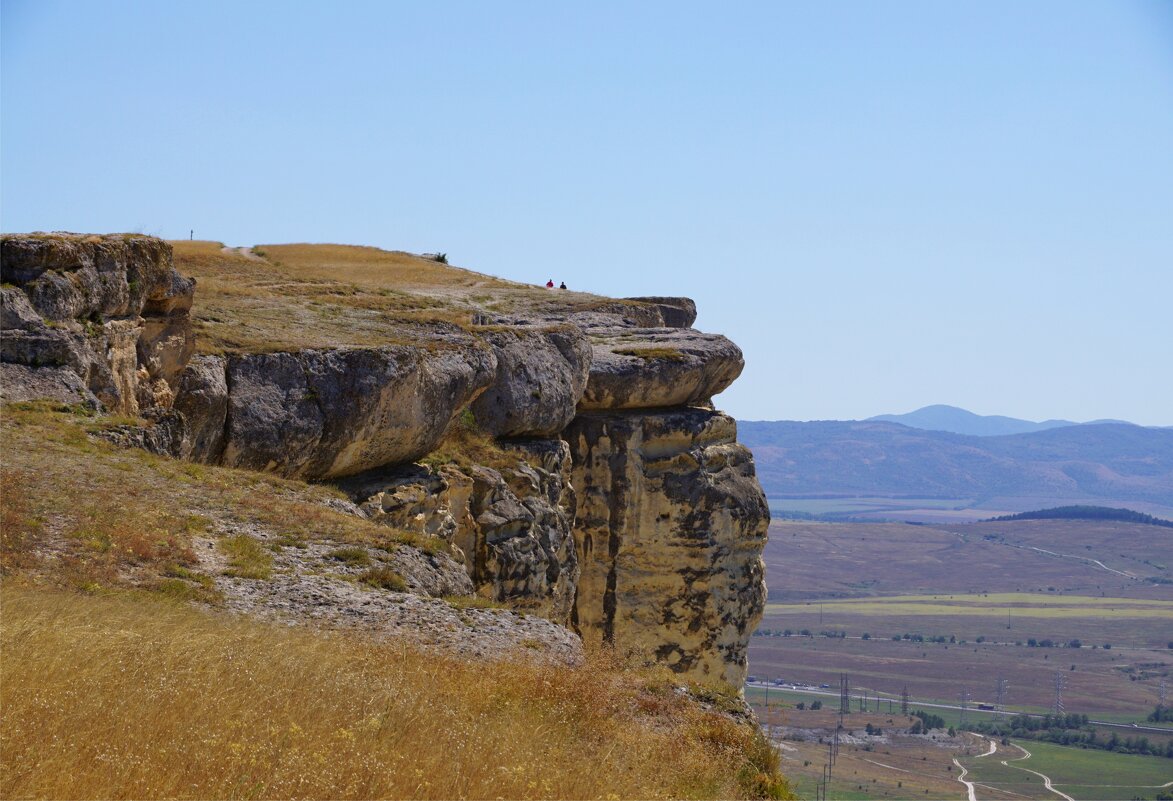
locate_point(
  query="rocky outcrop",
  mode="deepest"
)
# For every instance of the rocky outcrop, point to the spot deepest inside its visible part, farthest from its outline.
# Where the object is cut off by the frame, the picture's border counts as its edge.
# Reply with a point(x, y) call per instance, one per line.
point(604, 494)
point(110, 309)
point(651, 368)
point(674, 312)
point(512, 525)
point(203, 400)
point(671, 524)
point(19, 382)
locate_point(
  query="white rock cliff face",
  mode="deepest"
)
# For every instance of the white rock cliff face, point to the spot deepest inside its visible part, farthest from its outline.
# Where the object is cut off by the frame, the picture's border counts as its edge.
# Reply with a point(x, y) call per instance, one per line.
point(620, 503)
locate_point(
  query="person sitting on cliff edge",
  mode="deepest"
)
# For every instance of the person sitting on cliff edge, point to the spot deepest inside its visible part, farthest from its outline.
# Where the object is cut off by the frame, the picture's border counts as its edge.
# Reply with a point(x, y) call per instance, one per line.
point(550, 284)
point(562, 285)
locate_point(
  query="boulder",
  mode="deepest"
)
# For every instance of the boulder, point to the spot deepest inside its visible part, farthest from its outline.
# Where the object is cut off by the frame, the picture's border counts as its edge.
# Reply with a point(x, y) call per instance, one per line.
point(658, 367)
point(202, 398)
point(670, 527)
point(19, 382)
point(336, 412)
point(541, 375)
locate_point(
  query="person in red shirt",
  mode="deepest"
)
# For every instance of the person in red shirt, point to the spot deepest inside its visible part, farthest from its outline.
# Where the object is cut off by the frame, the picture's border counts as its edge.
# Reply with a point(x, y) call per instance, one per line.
point(550, 284)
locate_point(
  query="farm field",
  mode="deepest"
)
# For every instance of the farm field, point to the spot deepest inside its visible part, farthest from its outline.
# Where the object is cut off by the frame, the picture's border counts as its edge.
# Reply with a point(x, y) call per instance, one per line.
point(892, 766)
point(805, 560)
point(1004, 584)
point(889, 508)
point(1123, 679)
point(886, 508)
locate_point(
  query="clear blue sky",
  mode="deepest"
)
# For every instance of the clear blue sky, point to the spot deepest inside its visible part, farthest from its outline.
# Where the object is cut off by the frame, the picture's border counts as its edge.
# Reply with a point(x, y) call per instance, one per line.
point(885, 204)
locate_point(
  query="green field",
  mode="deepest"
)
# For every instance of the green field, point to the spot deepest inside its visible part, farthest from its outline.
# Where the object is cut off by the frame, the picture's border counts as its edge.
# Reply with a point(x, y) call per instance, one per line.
point(1082, 774)
point(994, 605)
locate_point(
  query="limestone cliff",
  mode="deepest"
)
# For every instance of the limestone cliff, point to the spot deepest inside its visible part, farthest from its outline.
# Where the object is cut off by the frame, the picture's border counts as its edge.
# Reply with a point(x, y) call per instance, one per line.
point(670, 528)
point(560, 446)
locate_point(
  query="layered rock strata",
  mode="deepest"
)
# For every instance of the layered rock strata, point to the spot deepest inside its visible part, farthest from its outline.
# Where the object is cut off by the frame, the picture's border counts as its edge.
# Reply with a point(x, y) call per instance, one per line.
point(670, 528)
point(109, 311)
point(610, 496)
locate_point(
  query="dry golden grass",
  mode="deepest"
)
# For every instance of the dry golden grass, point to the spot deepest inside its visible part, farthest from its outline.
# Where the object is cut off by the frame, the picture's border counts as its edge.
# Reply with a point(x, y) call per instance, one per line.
point(289, 297)
point(372, 267)
point(465, 445)
point(251, 304)
point(117, 697)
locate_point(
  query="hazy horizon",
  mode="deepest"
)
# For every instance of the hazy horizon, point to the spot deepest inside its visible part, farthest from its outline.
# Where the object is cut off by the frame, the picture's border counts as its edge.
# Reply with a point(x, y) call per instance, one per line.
point(954, 406)
point(884, 205)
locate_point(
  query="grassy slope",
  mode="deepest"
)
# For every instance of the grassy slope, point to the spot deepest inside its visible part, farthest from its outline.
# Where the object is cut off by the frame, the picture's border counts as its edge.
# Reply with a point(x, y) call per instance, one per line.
point(119, 697)
point(111, 688)
point(79, 512)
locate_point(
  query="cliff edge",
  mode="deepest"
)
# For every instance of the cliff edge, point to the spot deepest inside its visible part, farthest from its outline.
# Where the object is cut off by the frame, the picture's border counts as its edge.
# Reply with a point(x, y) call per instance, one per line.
point(549, 450)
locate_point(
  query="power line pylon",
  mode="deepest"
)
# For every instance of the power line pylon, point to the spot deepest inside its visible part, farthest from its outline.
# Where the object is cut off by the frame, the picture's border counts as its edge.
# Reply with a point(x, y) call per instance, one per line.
point(904, 701)
point(1057, 705)
point(1000, 705)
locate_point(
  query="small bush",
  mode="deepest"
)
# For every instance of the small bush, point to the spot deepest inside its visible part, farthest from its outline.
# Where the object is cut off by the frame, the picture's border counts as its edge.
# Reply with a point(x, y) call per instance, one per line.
point(384, 578)
point(350, 556)
point(247, 558)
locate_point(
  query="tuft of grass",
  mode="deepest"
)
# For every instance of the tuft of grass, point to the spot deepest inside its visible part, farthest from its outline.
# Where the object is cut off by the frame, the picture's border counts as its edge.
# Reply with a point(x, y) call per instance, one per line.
point(351, 555)
point(384, 578)
point(247, 558)
point(653, 354)
point(393, 537)
point(465, 444)
point(118, 697)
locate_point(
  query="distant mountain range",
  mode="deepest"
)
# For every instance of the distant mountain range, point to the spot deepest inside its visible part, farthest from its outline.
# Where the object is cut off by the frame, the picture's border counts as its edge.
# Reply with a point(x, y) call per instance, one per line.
point(1112, 464)
point(959, 421)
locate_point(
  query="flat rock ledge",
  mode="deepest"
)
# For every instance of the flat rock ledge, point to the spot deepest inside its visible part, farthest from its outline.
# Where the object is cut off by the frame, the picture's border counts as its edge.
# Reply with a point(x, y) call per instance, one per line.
point(644, 368)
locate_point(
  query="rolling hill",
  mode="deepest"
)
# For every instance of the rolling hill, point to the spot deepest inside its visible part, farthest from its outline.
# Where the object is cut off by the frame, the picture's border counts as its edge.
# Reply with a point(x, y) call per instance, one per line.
point(940, 417)
point(1106, 464)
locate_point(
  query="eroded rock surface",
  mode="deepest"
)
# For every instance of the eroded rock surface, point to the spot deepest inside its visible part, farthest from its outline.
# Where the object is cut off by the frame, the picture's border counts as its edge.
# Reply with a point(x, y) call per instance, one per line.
point(203, 400)
point(674, 312)
point(308, 586)
point(541, 374)
point(513, 525)
point(110, 309)
point(670, 529)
